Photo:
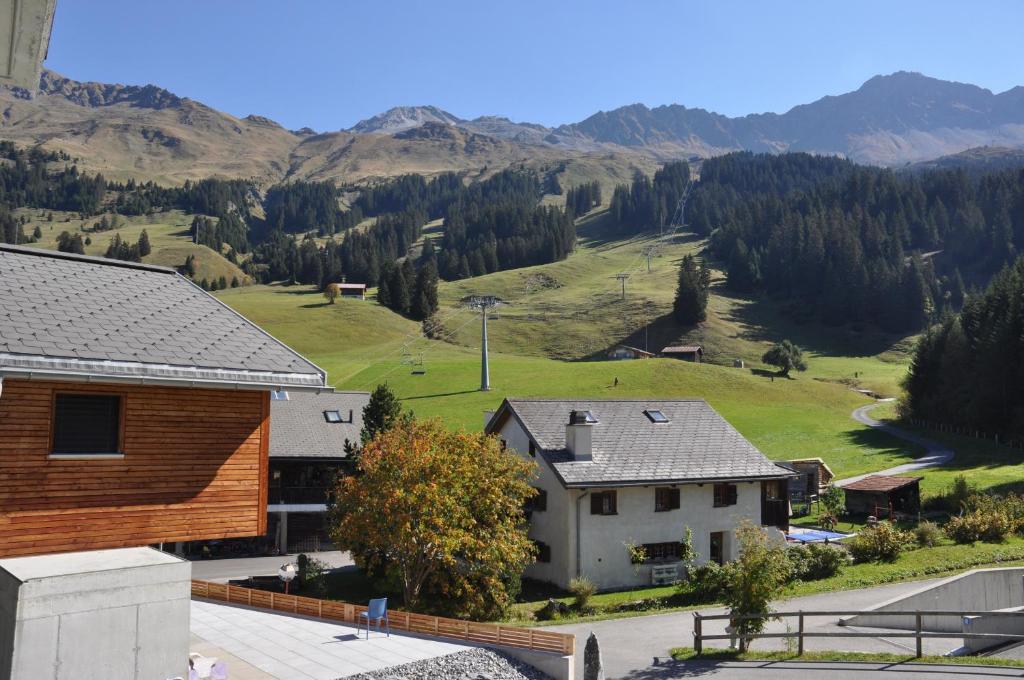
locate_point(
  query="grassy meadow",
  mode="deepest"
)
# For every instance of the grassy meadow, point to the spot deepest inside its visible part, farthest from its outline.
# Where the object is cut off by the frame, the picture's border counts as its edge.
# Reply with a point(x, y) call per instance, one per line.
point(168, 235)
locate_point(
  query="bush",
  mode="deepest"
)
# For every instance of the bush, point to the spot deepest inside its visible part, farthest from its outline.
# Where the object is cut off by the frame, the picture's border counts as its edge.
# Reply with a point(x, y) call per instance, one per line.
point(882, 542)
point(706, 583)
point(312, 576)
point(990, 526)
point(815, 561)
point(582, 589)
point(927, 534)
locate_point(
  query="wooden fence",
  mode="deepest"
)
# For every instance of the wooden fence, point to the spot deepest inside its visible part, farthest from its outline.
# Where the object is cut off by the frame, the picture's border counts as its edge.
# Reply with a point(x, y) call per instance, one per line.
point(972, 432)
point(919, 634)
point(420, 624)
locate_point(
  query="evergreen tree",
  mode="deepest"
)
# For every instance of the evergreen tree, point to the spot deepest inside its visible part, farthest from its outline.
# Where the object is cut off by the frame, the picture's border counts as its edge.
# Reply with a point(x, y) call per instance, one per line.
point(690, 306)
point(381, 413)
point(144, 246)
point(399, 291)
point(424, 302)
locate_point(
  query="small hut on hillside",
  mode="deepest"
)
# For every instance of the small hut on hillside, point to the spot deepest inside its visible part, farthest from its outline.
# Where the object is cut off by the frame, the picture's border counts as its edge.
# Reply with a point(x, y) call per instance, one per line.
point(625, 352)
point(694, 353)
point(883, 496)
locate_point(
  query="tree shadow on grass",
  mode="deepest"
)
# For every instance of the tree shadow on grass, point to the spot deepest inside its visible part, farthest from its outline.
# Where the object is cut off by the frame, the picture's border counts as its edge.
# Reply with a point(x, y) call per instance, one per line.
point(769, 321)
point(881, 443)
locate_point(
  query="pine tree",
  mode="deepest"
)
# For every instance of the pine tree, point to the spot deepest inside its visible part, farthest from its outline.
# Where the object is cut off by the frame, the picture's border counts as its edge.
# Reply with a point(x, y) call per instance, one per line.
point(424, 303)
point(399, 291)
point(144, 246)
point(381, 412)
point(690, 306)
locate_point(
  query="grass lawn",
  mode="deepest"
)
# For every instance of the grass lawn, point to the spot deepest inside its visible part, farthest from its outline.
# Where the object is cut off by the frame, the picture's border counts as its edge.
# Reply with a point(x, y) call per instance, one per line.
point(168, 235)
point(947, 558)
point(688, 654)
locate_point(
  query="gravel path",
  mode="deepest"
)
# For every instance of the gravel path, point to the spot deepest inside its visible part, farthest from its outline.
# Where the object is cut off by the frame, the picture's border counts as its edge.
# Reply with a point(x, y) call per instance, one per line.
point(471, 664)
point(937, 454)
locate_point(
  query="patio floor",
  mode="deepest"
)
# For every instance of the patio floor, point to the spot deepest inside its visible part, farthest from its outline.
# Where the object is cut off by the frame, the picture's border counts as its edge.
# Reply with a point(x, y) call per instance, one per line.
point(285, 647)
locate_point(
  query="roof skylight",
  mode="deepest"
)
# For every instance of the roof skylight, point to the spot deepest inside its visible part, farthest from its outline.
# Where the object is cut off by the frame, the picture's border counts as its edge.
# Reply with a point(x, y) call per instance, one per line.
point(333, 416)
point(656, 416)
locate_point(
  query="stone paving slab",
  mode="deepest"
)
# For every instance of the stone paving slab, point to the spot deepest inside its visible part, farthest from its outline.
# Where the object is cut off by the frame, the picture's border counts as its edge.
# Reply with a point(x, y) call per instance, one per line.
point(288, 647)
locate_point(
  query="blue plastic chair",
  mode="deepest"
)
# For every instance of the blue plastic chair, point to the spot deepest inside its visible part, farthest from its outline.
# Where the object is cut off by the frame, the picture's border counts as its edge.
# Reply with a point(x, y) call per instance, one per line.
point(377, 611)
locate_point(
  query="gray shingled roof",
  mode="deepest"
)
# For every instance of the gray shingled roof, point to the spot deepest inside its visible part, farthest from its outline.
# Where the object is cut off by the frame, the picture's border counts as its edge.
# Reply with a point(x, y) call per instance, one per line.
point(298, 428)
point(71, 315)
point(696, 444)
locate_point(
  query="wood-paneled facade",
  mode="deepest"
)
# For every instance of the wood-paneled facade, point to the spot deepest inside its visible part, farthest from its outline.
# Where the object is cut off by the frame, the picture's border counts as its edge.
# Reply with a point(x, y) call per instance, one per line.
point(194, 467)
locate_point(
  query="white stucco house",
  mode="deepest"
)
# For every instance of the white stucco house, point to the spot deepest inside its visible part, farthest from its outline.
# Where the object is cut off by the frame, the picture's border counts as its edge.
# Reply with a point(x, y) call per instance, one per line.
point(612, 473)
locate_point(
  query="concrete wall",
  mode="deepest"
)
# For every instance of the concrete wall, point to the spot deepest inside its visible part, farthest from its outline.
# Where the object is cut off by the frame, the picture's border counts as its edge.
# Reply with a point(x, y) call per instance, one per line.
point(977, 590)
point(101, 615)
point(558, 667)
point(603, 555)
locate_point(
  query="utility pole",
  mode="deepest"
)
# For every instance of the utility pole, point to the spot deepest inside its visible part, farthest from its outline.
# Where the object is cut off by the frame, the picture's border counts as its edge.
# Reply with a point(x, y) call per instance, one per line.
point(622, 277)
point(483, 303)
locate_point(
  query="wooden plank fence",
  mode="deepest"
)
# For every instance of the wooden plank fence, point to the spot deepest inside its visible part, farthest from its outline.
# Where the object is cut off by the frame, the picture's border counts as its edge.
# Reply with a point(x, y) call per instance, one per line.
point(420, 624)
point(918, 634)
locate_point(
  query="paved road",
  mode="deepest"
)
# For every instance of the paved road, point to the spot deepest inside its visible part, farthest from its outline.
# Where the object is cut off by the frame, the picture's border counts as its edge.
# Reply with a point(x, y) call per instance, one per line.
point(798, 670)
point(937, 454)
point(223, 570)
point(639, 647)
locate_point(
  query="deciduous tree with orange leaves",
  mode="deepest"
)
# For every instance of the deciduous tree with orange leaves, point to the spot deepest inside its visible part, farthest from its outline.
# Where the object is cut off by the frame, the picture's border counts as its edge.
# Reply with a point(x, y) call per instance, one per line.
point(441, 513)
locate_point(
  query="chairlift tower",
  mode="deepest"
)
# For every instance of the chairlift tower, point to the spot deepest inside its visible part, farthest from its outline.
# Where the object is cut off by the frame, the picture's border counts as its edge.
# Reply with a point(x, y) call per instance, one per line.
point(483, 303)
point(622, 277)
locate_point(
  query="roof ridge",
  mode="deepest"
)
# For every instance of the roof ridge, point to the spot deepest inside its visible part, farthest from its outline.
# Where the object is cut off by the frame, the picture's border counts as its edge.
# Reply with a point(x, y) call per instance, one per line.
point(636, 400)
point(92, 259)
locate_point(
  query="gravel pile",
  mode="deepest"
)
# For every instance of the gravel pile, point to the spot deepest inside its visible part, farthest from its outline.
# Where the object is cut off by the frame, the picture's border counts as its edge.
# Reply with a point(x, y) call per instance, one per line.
point(470, 664)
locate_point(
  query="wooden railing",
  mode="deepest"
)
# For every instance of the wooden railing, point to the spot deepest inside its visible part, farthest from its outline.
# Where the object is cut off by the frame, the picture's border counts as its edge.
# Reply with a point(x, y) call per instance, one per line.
point(919, 634)
point(420, 624)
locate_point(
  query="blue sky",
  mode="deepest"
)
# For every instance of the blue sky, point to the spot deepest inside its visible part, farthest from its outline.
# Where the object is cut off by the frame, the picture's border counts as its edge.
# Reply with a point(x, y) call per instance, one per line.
point(327, 64)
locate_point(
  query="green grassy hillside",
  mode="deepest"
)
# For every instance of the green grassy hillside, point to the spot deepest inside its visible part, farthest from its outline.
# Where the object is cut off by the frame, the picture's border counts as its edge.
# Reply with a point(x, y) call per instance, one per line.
point(168, 235)
point(361, 344)
point(574, 309)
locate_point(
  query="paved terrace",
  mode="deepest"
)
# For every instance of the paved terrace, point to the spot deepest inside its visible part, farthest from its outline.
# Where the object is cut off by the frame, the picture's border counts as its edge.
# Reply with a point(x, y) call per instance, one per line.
point(260, 645)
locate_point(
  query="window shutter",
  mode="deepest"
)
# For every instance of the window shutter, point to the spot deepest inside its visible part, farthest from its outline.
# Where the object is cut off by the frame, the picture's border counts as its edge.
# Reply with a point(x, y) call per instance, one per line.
point(673, 499)
point(613, 508)
point(595, 503)
point(731, 494)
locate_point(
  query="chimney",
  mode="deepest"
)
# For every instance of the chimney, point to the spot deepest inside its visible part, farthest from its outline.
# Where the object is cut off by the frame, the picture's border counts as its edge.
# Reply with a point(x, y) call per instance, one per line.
point(578, 436)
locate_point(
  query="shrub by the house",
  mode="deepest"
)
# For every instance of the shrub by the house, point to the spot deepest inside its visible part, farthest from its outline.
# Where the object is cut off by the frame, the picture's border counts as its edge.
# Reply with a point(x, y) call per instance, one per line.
point(881, 543)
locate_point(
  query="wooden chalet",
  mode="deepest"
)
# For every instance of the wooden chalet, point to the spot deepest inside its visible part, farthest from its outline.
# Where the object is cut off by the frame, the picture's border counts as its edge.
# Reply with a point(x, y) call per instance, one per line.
point(134, 407)
point(694, 353)
point(626, 352)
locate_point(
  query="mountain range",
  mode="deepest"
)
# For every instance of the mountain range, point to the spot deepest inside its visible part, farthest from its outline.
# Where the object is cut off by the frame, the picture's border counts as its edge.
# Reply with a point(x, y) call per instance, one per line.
point(146, 132)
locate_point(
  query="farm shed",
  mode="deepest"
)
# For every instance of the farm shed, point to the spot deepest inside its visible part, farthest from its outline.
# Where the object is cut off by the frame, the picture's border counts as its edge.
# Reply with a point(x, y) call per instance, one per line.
point(625, 352)
point(694, 353)
point(882, 496)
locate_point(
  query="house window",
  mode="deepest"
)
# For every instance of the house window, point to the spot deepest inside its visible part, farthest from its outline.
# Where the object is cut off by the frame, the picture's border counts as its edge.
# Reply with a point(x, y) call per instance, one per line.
point(539, 502)
point(666, 498)
point(279, 395)
point(87, 424)
point(725, 494)
point(603, 503)
point(663, 552)
point(533, 449)
point(543, 551)
point(504, 445)
point(332, 416)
